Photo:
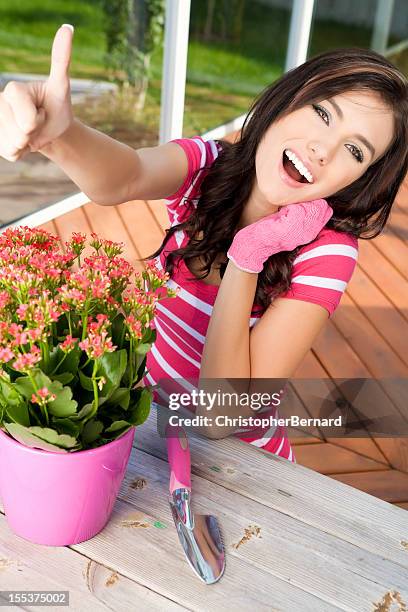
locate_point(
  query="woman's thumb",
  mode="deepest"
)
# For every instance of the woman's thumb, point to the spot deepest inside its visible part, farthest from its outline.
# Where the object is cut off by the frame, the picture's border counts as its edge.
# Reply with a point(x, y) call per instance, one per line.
point(61, 57)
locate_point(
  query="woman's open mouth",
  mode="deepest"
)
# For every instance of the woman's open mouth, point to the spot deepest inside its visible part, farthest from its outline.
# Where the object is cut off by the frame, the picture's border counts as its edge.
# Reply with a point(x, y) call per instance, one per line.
point(292, 170)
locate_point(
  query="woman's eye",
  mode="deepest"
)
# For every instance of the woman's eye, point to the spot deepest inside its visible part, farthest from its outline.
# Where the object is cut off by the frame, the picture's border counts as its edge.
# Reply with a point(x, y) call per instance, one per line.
point(322, 113)
point(355, 151)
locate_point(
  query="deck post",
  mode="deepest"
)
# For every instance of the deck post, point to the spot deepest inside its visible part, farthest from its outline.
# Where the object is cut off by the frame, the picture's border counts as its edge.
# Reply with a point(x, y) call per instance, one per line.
point(299, 34)
point(382, 25)
point(176, 31)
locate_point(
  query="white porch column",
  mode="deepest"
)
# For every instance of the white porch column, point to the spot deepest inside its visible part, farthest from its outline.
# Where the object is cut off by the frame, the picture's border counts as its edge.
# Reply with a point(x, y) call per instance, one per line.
point(177, 21)
point(300, 25)
point(382, 24)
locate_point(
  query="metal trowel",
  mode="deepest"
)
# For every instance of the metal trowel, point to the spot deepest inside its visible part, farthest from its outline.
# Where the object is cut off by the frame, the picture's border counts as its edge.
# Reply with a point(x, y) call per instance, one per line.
point(199, 534)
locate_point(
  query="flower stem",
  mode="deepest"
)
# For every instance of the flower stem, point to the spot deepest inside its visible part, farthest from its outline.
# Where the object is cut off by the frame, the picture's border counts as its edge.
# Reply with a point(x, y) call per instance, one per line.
point(85, 320)
point(131, 363)
point(58, 365)
point(43, 406)
point(86, 363)
point(32, 412)
point(45, 350)
point(69, 323)
point(95, 390)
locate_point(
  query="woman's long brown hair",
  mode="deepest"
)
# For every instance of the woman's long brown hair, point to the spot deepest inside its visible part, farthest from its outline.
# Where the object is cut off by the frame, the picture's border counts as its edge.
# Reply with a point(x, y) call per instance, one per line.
point(362, 208)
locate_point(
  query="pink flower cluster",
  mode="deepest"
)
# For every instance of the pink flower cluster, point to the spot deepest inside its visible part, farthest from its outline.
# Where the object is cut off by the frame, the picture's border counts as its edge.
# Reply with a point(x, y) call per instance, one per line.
point(26, 361)
point(97, 343)
point(68, 344)
point(43, 396)
point(44, 290)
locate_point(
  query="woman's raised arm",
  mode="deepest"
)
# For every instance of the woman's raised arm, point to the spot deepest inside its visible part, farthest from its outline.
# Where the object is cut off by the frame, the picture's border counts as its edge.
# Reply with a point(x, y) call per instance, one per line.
point(110, 172)
point(38, 116)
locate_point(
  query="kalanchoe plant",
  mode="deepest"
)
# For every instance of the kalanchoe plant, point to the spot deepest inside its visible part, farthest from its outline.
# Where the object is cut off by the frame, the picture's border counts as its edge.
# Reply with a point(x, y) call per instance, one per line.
point(73, 340)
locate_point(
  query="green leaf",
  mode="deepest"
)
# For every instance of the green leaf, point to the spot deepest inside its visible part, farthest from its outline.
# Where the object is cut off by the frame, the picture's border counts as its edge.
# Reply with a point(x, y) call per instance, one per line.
point(86, 381)
point(64, 378)
point(117, 425)
point(141, 369)
point(11, 395)
point(84, 411)
point(112, 367)
point(25, 387)
point(18, 413)
point(142, 349)
point(41, 437)
point(140, 410)
point(67, 426)
point(54, 359)
point(91, 431)
point(62, 406)
point(149, 336)
point(71, 362)
point(117, 329)
point(120, 397)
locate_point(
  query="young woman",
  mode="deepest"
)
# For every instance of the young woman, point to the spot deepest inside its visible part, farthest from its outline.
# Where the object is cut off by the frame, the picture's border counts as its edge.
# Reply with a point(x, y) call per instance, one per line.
point(263, 236)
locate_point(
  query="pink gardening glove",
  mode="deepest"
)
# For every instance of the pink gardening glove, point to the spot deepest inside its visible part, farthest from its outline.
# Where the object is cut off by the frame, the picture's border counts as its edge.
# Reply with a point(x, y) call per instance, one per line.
point(293, 225)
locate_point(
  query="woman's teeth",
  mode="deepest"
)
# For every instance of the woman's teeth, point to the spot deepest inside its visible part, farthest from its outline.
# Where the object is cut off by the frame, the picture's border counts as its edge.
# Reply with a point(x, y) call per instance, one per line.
point(299, 165)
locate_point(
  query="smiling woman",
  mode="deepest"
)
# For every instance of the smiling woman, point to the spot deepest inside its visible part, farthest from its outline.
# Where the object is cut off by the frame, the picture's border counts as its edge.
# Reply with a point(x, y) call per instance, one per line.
point(328, 143)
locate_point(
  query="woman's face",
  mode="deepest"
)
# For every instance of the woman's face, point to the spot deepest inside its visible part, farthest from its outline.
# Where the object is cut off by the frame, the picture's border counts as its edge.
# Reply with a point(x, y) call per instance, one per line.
point(332, 142)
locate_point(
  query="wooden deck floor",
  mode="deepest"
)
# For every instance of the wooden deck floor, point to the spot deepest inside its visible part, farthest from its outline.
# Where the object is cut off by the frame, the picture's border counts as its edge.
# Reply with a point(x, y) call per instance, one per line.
point(367, 336)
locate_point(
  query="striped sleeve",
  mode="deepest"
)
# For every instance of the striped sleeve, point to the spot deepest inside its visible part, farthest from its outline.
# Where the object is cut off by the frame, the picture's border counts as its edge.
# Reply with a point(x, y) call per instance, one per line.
point(322, 269)
point(200, 155)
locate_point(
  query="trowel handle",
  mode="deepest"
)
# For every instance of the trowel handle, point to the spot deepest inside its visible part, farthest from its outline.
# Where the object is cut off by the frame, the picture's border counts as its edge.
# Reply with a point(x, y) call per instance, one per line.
point(178, 451)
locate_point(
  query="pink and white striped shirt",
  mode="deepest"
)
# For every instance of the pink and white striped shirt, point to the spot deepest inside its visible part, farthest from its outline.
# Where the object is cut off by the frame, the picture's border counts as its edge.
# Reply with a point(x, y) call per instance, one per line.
point(320, 275)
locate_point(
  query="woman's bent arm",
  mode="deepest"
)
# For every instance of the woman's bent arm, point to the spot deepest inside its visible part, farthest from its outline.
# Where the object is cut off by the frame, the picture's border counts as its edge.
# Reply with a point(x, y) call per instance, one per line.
point(272, 349)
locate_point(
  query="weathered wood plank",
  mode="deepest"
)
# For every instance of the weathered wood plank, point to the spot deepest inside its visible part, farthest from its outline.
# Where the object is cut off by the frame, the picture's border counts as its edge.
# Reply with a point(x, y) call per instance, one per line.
point(347, 513)
point(313, 560)
point(308, 567)
point(92, 586)
point(305, 548)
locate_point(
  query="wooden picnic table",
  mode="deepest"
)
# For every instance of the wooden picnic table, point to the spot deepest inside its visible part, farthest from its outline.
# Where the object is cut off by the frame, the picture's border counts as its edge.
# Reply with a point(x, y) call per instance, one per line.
point(295, 540)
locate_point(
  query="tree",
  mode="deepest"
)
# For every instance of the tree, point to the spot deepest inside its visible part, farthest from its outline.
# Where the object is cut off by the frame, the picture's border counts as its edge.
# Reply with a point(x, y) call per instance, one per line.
point(224, 20)
point(133, 29)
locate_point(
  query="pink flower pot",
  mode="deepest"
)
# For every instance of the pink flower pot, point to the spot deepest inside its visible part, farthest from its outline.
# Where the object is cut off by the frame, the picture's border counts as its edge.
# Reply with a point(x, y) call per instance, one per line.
point(59, 499)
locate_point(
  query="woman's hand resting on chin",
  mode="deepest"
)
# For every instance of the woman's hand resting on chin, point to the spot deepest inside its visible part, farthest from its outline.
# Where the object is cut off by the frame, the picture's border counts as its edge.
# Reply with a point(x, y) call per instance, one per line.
point(293, 225)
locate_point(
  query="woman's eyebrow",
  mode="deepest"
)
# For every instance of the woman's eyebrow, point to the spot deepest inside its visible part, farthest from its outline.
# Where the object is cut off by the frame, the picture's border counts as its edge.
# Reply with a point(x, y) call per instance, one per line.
point(359, 136)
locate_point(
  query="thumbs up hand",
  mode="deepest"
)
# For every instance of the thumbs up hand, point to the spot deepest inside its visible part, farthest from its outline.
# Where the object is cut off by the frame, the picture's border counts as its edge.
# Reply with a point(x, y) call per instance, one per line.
point(34, 114)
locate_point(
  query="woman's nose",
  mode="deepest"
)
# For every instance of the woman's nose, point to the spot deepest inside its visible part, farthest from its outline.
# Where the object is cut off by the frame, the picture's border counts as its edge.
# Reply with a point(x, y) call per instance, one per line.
point(318, 152)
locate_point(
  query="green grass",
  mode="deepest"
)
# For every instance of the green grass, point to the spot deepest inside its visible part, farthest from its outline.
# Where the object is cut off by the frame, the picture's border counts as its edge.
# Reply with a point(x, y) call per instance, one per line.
point(222, 78)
